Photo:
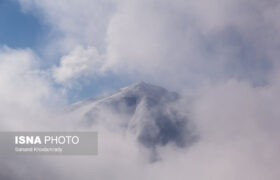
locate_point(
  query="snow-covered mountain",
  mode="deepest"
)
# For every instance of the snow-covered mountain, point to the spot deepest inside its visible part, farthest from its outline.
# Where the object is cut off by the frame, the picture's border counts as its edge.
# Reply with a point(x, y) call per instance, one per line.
point(148, 112)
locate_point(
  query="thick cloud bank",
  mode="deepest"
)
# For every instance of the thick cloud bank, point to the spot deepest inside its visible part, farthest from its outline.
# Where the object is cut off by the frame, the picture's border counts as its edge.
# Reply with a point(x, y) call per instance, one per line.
point(26, 92)
point(153, 39)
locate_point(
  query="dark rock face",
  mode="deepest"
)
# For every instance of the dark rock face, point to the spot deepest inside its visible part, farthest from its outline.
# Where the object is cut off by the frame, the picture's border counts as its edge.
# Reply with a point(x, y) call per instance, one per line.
point(167, 128)
point(147, 110)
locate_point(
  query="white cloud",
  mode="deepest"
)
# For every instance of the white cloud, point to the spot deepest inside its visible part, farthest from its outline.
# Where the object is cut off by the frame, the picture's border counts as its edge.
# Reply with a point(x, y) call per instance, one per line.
point(232, 45)
point(193, 41)
point(79, 62)
point(26, 93)
point(169, 42)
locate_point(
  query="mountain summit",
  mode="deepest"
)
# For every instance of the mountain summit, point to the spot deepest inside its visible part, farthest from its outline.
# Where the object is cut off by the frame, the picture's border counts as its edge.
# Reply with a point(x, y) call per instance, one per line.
point(147, 111)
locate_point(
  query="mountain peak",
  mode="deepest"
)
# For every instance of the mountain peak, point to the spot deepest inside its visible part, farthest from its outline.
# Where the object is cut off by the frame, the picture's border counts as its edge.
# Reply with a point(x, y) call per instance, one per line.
point(143, 86)
point(144, 109)
point(143, 89)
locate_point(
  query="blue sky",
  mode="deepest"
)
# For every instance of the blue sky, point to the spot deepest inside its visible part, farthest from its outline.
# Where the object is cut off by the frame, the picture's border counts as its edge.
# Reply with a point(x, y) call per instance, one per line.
point(18, 29)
